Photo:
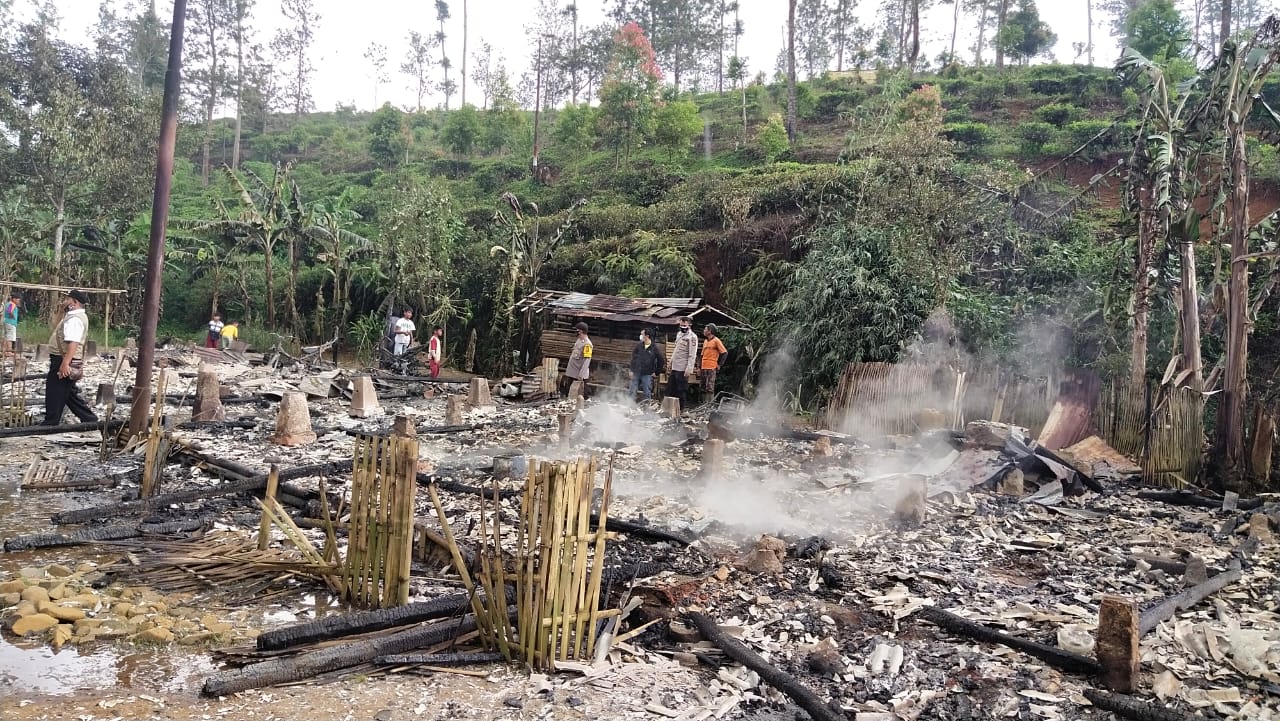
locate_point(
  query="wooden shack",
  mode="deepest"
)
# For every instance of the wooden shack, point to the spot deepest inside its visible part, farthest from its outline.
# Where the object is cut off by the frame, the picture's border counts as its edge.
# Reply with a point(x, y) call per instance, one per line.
point(614, 325)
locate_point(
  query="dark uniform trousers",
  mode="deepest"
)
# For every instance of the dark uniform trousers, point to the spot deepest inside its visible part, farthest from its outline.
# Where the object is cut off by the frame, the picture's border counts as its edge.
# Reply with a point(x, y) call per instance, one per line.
point(63, 393)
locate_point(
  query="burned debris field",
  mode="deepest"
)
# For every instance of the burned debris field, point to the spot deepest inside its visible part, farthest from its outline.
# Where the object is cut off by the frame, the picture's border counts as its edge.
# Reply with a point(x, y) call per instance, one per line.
point(316, 543)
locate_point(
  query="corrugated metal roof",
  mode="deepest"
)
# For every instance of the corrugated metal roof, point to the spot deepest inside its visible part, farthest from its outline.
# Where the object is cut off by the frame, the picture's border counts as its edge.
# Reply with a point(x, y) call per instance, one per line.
point(624, 310)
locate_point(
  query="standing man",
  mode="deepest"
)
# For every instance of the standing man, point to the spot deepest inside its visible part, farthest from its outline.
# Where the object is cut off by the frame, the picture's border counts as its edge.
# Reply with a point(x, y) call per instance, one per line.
point(646, 361)
point(215, 332)
point(435, 350)
point(579, 367)
point(684, 361)
point(65, 357)
point(404, 329)
point(713, 355)
point(11, 310)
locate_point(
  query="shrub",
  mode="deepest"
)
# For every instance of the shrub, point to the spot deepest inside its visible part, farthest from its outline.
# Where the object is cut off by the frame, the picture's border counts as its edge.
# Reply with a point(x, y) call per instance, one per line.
point(1083, 131)
point(1057, 114)
point(1034, 135)
point(986, 95)
point(828, 106)
point(974, 136)
point(772, 138)
point(958, 114)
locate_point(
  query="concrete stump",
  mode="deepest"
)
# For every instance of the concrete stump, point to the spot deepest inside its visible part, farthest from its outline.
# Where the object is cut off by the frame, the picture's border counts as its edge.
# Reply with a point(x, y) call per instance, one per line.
point(576, 390)
point(1012, 483)
point(1117, 646)
point(208, 402)
point(42, 352)
point(171, 379)
point(403, 427)
point(293, 421)
point(131, 344)
point(364, 399)
point(566, 426)
point(671, 407)
point(106, 394)
point(712, 457)
point(90, 348)
point(453, 410)
point(478, 395)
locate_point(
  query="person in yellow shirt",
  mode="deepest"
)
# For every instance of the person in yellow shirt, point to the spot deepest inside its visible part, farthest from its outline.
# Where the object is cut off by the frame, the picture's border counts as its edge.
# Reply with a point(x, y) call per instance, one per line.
point(230, 332)
point(713, 355)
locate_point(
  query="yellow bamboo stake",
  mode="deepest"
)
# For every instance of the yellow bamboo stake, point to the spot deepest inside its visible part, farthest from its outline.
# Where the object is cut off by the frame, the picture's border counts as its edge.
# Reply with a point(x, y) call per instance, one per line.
point(597, 569)
point(264, 527)
point(461, 567)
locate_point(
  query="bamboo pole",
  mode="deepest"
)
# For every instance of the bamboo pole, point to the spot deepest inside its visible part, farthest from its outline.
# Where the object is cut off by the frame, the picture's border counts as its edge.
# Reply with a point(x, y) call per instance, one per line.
point(264, 527)
point(500, 582)
point(476, 606)
point(597, 569)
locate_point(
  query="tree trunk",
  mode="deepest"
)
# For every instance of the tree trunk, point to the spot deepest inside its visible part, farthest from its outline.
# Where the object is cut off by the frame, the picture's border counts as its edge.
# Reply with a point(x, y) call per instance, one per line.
point(573, 62)
point(1264, 436)
point(211, 94)
point(720, 53)
point(841, 8)
point(59, 232)
point(463, 99)
point(1000, 18)
point(235, 145)
point(1224, 33)
point(1191, 316)
point(982, 37)
point(207, 141)
point(915, 34)
point(1229, 435)
point(742, 85)
point(268, 250)
point(295, 321)
point(1143, 253)
point(955, 30)
point(1088, 14)
point(791, 70)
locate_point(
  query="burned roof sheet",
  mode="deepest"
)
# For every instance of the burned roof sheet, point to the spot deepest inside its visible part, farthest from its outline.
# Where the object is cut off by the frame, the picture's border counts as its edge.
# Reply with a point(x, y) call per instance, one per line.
point(617, 309)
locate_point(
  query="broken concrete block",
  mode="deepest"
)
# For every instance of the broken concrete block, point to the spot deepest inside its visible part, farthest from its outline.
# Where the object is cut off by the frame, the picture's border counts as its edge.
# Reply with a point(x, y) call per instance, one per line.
point(566, 426)
point(766, 557)
point(316, 386)
point(478, 395)
point(712, 457)
point(913, 489)
point(1012, 483)
point(208, 402)
point(1260, 528)
point(106, 393)
point(671, 407)
point(293, 421)
point(988, 434)
point(90, 348)
point(403, 426)
point(364, 400)
point(453, 410)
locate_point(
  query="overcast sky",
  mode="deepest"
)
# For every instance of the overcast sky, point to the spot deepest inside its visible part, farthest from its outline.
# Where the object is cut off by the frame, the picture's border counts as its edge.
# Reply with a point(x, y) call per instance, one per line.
point(347, 28)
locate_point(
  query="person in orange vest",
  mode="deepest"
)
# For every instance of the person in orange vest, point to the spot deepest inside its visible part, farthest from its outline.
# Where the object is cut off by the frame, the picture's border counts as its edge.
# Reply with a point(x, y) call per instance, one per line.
point(713, 355)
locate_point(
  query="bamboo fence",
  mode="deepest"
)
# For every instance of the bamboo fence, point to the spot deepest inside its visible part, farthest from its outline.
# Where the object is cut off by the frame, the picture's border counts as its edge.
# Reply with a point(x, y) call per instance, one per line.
point(14, 413)
point(1162, 427)
point(375, 572)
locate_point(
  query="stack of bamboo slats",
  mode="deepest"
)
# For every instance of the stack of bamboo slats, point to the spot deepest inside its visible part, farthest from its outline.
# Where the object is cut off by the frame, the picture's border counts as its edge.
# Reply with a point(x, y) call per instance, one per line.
point(381, 533)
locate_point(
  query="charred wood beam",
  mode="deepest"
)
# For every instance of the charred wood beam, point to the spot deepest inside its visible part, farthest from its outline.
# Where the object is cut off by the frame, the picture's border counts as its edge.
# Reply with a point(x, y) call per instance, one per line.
point(1052, 655)
point(216, 425)
point(363, 622)
point(439, 659)
point(306, 665)
point(1091, 483)
point(22, 431)
point(249, 485)
point(1131, 707)
point(1155, 615)
point(426, 479)
point(102, 533)
point(779, 679)
point(1183, 498)
point(179, 399)
point(640, 530)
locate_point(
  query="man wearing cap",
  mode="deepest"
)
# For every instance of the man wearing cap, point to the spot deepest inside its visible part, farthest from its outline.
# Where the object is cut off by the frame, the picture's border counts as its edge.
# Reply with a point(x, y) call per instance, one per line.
point(579, 360)
point(684, 361)
point(65, 355)
point(11, 311)
point(713, 355)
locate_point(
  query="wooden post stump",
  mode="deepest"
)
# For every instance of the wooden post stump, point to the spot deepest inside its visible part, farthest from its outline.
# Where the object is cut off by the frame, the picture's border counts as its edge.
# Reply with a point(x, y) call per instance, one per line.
point(1117, 647)
point(566, 426)
point(131, 344)
point(671, 407)
point(208, 404)
point(90, 348)
point(913, 492)
point(293, 421)
point(17, 346)
point(453, 410)
point(712, 457)
point(42, 352)
point(364, 399)
point(478, 394)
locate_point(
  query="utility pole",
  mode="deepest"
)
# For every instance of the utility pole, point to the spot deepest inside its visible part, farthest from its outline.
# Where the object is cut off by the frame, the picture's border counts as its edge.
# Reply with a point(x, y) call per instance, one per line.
point(159, 220)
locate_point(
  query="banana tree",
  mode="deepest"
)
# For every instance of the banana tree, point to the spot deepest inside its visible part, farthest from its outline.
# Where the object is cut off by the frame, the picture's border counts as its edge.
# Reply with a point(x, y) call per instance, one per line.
point(526, 252)
point(341, 253)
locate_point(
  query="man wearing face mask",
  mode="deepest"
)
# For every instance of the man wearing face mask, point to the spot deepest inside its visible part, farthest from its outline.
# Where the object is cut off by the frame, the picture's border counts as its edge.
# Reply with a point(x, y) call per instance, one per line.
point(684, 361)
point(65, 358)
point(645, 362)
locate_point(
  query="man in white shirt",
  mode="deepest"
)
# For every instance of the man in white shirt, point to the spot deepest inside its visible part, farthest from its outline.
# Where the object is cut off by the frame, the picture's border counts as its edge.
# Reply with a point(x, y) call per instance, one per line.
point(60, 389)
point(403, 331)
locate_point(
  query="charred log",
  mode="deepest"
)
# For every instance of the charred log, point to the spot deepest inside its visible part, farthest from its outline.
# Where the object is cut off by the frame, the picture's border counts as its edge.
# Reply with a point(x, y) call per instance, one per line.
point(23, 431)
point(1131, 707)
point(438, 659)
point(363, 622)
point(102, 533)
point(779, 679)
point(306, 665)
point(1155, 615)
point(1056, 657)
point(1183, 498)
